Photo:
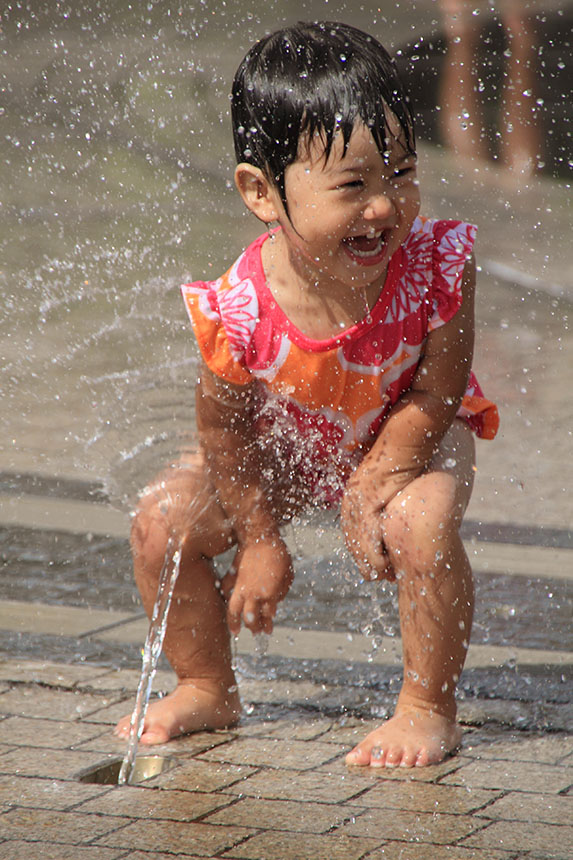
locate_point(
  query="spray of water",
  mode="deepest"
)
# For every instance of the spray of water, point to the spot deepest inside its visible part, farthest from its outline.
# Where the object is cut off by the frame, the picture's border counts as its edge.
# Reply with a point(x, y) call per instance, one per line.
point(151, 653)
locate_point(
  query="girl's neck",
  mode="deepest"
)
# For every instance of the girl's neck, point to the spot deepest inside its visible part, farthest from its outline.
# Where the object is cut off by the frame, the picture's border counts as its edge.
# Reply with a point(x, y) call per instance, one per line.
point(319, 307)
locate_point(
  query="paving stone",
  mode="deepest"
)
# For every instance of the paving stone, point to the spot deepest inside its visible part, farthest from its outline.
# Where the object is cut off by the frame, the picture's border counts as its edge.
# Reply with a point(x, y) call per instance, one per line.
point(305, 787)
point(482, 711)
point(176, 837)
point(45, 672)
point(20, 850)
point(411, 851)
point(104, 742)
point(439, 828)
point(540, 716)
point(28, 731)
point(56, 826)
point(148, 803)
point(45, 793)
point(305, 817)
point(517, 805)
point(550, 749)
point(351, 731)
point(548, 839)
point(292, 692)
point(111, 709)
point(184, 747)
point(36, 701)
point(144, 855)
point(425, 797)
point(407, 774)
point(127, 681)
point(56, 764)
point(297, 727)
point(295, 846)
point(274, 752)
point(196, 775)
point(518, 775)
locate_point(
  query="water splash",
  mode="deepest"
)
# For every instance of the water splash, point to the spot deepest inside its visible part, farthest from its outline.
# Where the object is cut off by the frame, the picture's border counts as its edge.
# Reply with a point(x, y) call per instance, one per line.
point(151, 654)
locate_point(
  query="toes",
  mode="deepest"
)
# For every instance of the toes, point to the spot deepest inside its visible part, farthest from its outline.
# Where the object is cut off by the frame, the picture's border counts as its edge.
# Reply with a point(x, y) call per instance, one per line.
point(122, 729)
point(394, 757)
point(359, 756)
point(377, 757)
point(410, 757)
point(367, 754)
point(423, 759)
point(153, 737)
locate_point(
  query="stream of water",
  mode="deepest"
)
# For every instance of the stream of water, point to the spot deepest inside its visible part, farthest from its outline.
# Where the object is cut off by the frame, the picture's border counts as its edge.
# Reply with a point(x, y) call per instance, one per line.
point(151, 654)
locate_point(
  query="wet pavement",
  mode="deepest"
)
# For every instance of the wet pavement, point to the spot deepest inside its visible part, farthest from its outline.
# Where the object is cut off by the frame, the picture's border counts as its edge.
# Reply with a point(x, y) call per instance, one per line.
point(276, 787)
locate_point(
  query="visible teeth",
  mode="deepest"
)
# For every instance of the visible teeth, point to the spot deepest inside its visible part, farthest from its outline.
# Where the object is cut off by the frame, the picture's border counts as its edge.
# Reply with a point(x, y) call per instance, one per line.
point(361, 253)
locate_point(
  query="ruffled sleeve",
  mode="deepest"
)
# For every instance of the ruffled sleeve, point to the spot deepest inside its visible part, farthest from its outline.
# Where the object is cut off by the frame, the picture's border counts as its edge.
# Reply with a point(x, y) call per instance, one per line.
point(223, 315)
point(480, 413)
point(453, 243)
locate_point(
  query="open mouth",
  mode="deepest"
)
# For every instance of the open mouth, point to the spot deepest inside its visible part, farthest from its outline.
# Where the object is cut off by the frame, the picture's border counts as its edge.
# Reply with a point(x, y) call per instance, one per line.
point(366, 250)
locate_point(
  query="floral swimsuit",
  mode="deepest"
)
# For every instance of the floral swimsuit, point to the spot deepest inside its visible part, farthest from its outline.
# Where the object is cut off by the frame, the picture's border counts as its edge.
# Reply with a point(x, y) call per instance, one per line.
point(322, 402)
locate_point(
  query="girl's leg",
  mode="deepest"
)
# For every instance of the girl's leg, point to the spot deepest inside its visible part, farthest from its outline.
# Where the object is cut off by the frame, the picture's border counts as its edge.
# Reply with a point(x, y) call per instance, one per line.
point(182, 504)
point(435, 594)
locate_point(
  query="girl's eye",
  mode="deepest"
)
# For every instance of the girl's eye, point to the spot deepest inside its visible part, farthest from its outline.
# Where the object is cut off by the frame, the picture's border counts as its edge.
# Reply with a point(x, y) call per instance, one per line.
point(354, 183)
point(404, 171)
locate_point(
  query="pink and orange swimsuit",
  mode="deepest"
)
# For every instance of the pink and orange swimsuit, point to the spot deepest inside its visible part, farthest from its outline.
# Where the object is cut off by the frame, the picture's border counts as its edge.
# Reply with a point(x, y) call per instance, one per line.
point(323, 401)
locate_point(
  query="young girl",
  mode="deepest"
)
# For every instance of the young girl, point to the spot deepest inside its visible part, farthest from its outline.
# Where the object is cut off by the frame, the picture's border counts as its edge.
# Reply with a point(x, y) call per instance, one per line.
point(336, 372)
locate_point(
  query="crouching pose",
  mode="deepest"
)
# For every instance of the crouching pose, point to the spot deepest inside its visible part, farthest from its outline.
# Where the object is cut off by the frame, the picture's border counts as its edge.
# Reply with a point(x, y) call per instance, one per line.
point(336, 373)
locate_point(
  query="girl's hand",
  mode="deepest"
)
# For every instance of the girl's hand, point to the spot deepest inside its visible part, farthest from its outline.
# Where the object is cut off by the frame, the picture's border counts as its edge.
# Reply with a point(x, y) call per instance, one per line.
point(410, 435)
point(362, 519)
point(260, 577)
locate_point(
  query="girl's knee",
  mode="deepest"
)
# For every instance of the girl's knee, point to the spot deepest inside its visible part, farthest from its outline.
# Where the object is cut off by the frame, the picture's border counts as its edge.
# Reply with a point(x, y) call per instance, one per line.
point(180, 505)
point(163, 512)
point(149, 529)
point(428, 511)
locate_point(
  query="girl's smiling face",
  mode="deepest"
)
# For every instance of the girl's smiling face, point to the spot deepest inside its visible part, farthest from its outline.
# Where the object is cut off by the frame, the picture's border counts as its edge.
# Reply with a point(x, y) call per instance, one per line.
point(350, 212)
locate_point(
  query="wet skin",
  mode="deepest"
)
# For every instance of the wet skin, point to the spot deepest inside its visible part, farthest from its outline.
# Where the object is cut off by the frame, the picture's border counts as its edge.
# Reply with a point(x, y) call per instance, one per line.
point(402, 507)
point(423, 729)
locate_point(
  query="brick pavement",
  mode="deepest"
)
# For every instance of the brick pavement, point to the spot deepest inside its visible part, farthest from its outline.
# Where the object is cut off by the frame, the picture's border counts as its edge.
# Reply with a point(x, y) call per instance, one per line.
point(274, 788)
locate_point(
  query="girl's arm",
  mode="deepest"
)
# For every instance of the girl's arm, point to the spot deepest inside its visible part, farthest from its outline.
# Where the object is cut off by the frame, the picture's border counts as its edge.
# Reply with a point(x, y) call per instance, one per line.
point(261, 573)
point(411, 433)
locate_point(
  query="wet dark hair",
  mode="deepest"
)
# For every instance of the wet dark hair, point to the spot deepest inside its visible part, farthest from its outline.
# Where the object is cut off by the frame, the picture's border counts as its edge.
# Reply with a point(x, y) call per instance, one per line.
point(313, 78)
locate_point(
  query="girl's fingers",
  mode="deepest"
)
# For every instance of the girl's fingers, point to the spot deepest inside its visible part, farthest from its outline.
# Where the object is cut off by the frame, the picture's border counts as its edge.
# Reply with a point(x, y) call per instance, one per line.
point(267, 616)
point(227, 584)
point(257, 617)
point(372, 563)
point(234, 613)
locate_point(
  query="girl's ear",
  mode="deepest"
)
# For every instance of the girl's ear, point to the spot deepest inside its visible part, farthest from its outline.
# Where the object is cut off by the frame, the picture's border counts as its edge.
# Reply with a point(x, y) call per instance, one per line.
point(259, 195)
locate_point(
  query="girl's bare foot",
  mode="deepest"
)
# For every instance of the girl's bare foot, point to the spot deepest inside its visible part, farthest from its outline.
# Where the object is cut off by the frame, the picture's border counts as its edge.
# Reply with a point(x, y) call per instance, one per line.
point(411, 738)
point(191, 707)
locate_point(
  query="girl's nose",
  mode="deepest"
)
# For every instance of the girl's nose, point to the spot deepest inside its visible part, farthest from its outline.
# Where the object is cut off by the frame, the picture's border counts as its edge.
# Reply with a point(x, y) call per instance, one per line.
point(379, 207)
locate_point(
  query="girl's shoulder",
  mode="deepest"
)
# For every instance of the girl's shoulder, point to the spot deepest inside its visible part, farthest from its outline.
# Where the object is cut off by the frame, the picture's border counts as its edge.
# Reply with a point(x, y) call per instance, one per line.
point(441, 233)
point(224, 313)
point(436, 250)
point(429, 270)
